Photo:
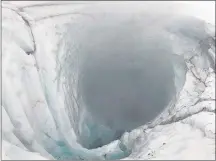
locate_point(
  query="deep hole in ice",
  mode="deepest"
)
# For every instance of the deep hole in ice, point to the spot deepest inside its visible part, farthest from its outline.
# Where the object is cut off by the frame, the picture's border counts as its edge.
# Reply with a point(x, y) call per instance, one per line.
point(125, 79)
point(128, 87)
point(124, 73)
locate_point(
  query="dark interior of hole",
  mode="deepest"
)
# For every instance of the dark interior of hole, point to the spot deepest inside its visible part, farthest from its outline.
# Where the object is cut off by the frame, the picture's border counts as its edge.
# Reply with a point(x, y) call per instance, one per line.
point(125, 80)
point(127, 91)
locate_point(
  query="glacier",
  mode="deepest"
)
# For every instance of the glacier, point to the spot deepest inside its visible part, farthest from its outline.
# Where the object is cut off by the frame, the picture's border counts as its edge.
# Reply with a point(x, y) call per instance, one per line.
point(44, 112)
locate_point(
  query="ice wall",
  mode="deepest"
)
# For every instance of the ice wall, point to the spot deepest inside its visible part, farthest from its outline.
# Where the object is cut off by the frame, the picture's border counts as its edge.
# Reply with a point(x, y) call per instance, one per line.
point(107, 42)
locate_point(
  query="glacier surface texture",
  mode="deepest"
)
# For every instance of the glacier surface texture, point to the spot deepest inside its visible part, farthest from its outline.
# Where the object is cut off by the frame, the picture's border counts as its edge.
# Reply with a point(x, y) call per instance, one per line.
point(107, 80)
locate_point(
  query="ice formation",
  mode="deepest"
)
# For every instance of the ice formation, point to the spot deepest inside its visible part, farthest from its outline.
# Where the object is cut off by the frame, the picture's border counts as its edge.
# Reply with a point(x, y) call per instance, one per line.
point(52, 65)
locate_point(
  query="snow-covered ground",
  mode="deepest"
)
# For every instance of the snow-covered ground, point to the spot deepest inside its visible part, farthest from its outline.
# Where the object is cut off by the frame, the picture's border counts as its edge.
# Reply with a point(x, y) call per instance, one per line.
point(38, 122)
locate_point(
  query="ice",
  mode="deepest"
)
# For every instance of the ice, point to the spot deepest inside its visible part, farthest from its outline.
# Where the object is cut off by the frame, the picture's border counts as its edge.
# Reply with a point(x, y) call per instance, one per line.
point(41, 116)
point(12, 152)
point(39, 124)
point(23, 37)
point(174, 141)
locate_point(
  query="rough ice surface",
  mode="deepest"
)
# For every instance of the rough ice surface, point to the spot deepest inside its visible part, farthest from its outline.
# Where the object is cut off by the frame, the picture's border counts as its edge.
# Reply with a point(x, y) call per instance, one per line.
point(44, 114)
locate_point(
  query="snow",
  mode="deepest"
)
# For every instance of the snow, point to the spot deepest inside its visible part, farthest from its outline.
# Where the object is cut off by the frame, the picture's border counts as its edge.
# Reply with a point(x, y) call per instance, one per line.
point(23, 37)
point(37, 124)
point(176, 141)
point(12, 152)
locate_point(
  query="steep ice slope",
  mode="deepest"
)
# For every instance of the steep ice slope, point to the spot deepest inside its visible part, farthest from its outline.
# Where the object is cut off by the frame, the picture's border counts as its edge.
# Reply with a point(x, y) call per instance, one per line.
point(37, 120)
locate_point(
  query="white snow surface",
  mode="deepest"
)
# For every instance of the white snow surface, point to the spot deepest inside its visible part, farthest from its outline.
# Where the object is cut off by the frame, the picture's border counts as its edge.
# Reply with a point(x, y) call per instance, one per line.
point(37, 125)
